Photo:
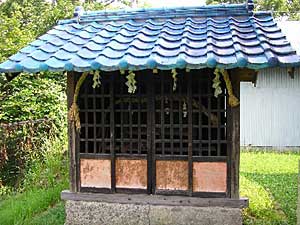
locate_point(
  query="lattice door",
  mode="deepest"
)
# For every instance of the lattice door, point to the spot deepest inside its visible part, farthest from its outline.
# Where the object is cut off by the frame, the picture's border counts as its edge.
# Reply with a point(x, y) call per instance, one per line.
point(157, 140)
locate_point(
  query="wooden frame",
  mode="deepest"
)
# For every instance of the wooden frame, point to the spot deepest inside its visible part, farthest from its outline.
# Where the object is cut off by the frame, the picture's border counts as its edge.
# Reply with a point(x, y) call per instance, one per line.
point(71, 81)
point(232, 141)
point(145, 199)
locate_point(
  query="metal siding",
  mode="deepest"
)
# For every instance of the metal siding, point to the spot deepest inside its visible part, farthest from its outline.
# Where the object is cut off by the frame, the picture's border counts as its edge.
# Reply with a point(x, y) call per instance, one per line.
point(270, 112)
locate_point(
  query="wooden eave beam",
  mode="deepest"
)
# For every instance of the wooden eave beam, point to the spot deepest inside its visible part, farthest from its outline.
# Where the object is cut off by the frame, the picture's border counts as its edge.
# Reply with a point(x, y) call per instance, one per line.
point(245, 75)
point(291, 72)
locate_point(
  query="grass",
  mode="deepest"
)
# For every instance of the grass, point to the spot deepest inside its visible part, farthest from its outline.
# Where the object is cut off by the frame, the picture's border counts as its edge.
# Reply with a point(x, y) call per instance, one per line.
point(24, 206)
point(262, 207)
point(53, 216)
point(270, 182)
point(268, 179)
point(38, 199)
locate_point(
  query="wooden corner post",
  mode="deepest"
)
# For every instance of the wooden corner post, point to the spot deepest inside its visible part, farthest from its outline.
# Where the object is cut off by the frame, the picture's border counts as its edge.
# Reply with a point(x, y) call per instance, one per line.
point(234, 138)
point(72, 134)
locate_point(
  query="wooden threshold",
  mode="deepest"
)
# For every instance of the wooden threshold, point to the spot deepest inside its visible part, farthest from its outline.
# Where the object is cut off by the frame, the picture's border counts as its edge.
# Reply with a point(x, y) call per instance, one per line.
point(144, 199)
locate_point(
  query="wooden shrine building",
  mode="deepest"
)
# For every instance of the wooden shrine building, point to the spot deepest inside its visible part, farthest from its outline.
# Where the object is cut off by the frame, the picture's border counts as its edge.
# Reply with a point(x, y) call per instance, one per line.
point(153, 98)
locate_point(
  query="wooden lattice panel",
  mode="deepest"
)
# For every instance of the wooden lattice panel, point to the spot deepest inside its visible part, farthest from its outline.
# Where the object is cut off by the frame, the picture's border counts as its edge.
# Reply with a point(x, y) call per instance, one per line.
point(152, 140)
point(209, 176)
point(131, 173)
point(95, 173)
point(171, 175)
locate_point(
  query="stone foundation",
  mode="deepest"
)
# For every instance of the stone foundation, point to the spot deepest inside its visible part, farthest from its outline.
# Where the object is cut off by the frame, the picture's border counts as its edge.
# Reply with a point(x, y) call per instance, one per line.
point(97, 212)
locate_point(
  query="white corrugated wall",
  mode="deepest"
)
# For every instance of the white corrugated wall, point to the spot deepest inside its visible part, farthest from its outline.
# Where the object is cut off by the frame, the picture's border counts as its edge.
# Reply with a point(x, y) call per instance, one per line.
point(270, 112)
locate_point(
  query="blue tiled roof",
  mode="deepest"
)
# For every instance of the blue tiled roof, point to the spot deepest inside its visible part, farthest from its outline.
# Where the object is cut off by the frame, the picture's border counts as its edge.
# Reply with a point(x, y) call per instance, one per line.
point(223, 36)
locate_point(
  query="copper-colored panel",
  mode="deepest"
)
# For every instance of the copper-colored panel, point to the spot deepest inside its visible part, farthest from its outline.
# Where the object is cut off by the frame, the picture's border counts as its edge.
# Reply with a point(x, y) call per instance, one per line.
point(209, 176)
point(131, 173)
point(95, 173)
point(172, 175)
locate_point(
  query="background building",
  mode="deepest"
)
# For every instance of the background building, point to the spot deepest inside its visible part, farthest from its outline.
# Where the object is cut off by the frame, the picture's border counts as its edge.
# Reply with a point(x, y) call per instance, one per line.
point(270, 112)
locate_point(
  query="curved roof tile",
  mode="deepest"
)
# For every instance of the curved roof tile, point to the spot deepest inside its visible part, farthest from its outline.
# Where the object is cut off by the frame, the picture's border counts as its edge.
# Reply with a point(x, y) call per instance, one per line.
point(223, 36)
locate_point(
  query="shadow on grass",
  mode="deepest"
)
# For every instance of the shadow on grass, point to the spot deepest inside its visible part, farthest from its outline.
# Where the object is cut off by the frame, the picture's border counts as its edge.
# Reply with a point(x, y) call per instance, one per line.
point(53, 216)
point(282, 187)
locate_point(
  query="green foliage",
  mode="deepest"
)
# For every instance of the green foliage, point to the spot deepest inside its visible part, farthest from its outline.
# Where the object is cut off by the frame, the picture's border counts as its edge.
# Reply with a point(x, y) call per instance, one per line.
point(51, 168)
point(12, 36)
point(289, 9)
point(30, 97)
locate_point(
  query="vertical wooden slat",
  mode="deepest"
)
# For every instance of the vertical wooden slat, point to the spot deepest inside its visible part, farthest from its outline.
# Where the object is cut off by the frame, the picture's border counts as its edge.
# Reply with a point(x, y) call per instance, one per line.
point(139, 120)
point(209, 113)
point(234, 139)
point(130, 124)
point(200, 117)
point(150, 134)
point(171, 99)
point(121, 115)
point(86, 115)
point(94, 120)
point(162, 113)
point(71, 133)
point(180, 103)
point(219, 126)
point(190, 133)
point(112, 134)
point(228, 145)
point(103, 120)
point(77, 159)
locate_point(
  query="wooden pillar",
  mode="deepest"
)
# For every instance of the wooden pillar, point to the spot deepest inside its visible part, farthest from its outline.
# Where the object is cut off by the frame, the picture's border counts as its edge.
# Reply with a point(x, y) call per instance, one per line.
point(72, 135)
point(234, 138)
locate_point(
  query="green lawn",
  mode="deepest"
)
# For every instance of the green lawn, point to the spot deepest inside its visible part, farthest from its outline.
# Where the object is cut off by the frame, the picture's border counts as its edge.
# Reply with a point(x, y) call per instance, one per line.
point(268, 179)
point(270, 182)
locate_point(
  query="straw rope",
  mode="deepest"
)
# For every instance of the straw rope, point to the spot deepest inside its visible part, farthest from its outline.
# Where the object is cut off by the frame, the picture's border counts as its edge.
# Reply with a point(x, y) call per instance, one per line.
point(74, 110)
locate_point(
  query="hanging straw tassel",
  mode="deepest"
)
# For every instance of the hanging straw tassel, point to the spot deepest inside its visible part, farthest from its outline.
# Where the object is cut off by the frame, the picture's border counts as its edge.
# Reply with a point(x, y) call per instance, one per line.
point(233, 101)
point(74, 110)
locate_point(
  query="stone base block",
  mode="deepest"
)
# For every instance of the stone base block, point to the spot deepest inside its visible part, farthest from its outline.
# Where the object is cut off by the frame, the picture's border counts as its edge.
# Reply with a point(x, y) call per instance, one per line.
point(103, 213)
point(143, 209)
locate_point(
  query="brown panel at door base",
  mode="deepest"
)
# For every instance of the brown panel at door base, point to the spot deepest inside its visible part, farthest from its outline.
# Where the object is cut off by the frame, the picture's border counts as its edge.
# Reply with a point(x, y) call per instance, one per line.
point(95, 173)
point(131, 173)
point(171, 175)
point(209, 176)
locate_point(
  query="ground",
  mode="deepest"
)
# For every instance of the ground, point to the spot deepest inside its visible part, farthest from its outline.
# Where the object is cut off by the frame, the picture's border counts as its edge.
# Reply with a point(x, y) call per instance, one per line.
point(268, 179)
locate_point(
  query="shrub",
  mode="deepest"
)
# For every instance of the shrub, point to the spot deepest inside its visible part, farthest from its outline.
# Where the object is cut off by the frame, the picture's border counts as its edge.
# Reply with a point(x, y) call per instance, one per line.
point(40, 101)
